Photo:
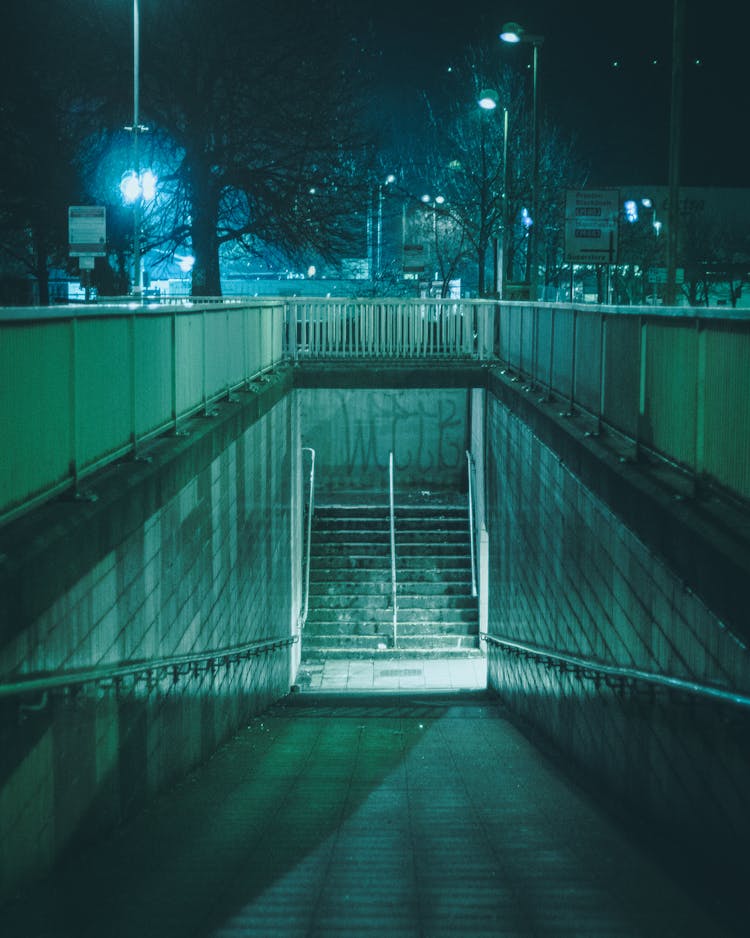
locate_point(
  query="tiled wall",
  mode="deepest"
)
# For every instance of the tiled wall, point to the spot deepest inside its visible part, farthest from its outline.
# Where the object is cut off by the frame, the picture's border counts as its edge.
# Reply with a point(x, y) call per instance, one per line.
point(568, 575)
point(353, 430)
point(210, 568)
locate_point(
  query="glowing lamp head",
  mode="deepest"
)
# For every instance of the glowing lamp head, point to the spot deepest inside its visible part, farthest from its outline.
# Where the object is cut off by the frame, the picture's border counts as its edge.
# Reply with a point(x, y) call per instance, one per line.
point(130, 187)
point(512, 32)
point(148, 185)
point(631, 211)
point(488, 99)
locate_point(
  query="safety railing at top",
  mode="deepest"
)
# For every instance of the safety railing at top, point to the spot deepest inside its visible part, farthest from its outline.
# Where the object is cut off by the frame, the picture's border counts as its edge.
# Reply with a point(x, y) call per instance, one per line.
point(81, 386)
point(675, 382)
point(150, 669)
point(616, 676)
point(389, 328)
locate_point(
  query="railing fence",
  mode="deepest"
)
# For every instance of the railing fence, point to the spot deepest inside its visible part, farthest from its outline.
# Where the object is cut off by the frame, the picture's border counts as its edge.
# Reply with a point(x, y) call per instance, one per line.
point(79, 388)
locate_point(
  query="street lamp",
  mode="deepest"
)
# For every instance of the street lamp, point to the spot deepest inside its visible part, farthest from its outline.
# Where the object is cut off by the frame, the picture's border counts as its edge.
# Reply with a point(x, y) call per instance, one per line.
point(488, 101)
point(389, 180)
point(136, 128)
point(514, 33)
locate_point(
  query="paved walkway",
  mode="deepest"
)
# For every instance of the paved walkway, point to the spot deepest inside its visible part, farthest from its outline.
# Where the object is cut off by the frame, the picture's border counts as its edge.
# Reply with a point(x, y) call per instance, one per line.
point(394, 674)
point(396, 816)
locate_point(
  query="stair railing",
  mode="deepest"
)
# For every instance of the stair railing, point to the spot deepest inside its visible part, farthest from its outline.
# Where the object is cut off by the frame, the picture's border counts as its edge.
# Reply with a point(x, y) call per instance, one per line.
point(393, 553)
point(308, 537)
point(472, 533)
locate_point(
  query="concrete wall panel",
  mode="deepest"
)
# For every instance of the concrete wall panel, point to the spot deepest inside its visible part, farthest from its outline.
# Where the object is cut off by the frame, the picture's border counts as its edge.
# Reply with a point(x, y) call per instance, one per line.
point(208, 568)
point(354, 430)
point(568, 574)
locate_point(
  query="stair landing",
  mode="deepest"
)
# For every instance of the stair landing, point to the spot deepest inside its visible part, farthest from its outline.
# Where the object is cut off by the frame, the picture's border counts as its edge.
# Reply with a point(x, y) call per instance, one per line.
point(388, 673)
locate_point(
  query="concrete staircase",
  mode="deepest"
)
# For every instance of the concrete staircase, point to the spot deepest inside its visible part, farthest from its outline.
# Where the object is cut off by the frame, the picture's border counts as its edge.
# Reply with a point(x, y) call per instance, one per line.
point(351, 609)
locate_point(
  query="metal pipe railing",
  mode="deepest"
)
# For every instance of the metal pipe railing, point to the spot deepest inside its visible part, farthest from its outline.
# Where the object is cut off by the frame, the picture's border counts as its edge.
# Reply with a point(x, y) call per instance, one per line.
point(310, 510)
point(43, 683)
point(393, 552)
point(472, 535)
point(597, 670)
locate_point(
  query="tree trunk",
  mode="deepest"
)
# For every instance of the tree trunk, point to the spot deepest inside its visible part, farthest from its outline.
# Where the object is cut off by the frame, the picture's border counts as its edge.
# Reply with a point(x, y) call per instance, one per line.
point(206, 279)
point(481, 264)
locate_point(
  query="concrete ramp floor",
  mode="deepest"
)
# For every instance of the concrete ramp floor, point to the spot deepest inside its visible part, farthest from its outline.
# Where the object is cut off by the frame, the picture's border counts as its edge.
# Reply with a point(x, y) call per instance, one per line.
point(390, 815)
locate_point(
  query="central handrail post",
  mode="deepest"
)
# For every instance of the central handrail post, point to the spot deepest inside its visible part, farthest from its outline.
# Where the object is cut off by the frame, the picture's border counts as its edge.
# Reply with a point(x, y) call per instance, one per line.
point(470, 470)
point(310, 510)
point(393, 553)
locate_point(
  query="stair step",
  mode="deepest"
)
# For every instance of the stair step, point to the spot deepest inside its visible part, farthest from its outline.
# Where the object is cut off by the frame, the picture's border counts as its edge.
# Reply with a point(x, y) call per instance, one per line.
point(350, 607)
point(323, 643)
point(383, 612)
point(428, 538)
point(349, 594)
point(386, 654)
point(405, 563)
point(416, 604)
point(406, 589)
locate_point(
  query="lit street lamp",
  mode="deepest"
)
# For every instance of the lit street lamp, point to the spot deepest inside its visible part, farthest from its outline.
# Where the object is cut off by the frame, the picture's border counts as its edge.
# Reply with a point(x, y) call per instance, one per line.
point(389, 180)
point(488, 101)
point(136, 179)
point(513, 33)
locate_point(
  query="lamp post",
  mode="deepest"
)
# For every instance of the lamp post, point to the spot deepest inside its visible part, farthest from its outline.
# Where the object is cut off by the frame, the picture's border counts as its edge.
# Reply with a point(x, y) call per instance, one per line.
point(389, 179)
point(488, 101)
point(435, 202)
point(675, 144)
point(514, 33)
point(137, 128)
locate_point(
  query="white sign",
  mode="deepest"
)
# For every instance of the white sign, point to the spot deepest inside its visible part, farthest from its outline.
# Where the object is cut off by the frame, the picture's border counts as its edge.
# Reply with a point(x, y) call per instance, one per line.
point(591, 225)
point(87, 230)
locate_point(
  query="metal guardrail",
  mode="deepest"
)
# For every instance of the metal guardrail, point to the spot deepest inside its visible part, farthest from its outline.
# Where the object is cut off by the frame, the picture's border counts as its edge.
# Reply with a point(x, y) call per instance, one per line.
point(595, 670)
point(310, 510)
point(83, 386)
point(472, 532)
point(394, 590)
point(387, 328)
point(175, 665)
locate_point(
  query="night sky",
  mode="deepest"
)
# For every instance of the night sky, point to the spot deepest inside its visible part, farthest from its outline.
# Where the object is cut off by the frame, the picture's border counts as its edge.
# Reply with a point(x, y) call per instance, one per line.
point(619, 114)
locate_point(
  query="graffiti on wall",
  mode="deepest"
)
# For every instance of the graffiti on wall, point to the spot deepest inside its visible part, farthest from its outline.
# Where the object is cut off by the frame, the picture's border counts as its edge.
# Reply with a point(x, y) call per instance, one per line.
point(354, 431)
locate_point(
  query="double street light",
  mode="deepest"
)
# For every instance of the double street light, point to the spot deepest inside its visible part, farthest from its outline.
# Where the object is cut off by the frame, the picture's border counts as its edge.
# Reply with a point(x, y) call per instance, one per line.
point(514, 33)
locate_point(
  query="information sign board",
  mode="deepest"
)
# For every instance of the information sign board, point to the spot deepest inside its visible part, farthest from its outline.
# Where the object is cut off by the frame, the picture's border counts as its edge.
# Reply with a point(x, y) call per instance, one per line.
point(591, 226)
point(87, 230)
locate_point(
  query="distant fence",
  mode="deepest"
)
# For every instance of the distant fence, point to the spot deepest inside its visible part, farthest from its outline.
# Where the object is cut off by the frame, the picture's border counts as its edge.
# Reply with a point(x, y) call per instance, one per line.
point(389, 328)
point(81, 386)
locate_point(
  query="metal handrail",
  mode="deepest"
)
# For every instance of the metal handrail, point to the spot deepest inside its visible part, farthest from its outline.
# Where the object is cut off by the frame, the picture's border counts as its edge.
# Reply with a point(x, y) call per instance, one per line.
point(393, 553)
point(472, 535)
point(310, 510)
point(594, 669)
point(41, 683)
